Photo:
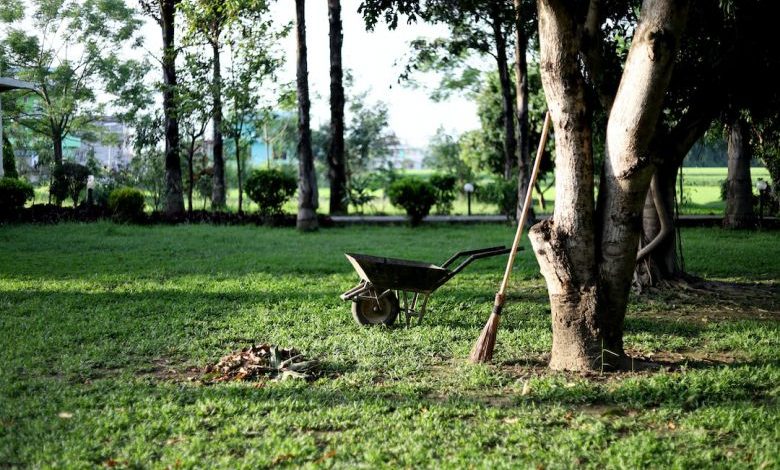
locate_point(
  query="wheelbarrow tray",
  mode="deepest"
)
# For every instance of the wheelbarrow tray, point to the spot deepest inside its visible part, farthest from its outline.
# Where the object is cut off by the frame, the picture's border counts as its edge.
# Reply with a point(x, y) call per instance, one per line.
point(399, 274)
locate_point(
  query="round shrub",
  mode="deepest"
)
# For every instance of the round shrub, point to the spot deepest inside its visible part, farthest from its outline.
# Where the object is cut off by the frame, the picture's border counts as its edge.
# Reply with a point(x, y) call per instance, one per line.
point(68, 180)
point(14, 193)
point(270, 189)
point(126, 204)
point(414, 195)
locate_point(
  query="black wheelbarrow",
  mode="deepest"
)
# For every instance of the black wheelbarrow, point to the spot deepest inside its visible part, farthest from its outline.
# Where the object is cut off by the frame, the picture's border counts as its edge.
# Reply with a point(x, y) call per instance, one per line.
point(375, 300)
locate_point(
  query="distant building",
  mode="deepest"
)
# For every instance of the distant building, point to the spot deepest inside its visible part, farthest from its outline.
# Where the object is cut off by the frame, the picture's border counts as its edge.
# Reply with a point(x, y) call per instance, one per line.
point(407, 157)
point(112, 148)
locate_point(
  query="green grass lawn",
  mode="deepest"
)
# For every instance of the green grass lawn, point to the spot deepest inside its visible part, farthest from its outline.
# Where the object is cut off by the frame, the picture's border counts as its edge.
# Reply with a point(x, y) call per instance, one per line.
point(103, 324)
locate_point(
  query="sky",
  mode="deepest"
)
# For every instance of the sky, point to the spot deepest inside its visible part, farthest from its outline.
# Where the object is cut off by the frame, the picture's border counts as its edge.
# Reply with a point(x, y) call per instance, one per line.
point(371, 57)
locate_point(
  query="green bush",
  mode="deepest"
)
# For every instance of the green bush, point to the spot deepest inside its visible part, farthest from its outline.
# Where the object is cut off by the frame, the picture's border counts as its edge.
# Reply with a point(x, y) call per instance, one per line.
point(68, 180)
point(9, 161)
point(414, 195)
point(502, 193)
point(445, 192)
point(14, 193)
point(126, 204)
point(270, 189)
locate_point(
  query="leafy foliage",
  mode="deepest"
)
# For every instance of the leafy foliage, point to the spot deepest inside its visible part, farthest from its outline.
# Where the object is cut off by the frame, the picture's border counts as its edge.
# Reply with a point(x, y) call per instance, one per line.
point(502, 193)
point(445, 187)
point(9, 162)
point(444, 155)
point(14, 194)
point(415, 195)
point(126, 204)
point(359, 193)
point(270, 189)
point(68, 180)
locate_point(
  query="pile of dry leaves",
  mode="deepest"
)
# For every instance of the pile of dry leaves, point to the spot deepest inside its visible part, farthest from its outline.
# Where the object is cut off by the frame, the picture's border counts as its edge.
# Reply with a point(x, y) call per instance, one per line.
point(261, 361)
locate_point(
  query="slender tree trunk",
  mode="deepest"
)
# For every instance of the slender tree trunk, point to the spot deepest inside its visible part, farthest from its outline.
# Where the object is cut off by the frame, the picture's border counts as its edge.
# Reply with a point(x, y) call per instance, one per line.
point(521, 96)
point(218, 188)
point(174, 200)
point(336, 157)
point(191, 173)
point(307, 181)
point(238, 173)
point(507, 106)
point(739, 197)
point(56, 138)
point(628, 167)
point(565, 245)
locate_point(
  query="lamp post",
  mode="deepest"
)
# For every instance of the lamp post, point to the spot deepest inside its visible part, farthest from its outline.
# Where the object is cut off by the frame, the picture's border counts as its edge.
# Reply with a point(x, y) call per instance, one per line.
point(468, 188)
point(90, 188)
point(762, 187)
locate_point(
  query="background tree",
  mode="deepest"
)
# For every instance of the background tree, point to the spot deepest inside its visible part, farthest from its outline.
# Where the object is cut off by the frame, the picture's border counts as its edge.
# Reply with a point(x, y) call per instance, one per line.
point(195, 111)
point(68, 51)
point(253, 62)
point(476, 27)
point(208, 20)
point(164, 13)
point(307, 180)
point(337, 171)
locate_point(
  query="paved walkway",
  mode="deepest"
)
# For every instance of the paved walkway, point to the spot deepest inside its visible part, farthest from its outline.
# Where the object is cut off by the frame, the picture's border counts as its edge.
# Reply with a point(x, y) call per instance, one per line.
point(685, 220)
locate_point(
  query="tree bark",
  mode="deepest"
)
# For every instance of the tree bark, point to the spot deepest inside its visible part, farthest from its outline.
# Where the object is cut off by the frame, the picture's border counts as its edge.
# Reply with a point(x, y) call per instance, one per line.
point(336, 157)
point(238, 174)
point(307, 181)
point(218, 188)
point(56, 138)
point(173, 197)
point(565, 245)
point(507, 106)
point(588, 267)
point(628, 167)
point(662, 263)
point(521, 96)
point(191, 171)
point(739, 197)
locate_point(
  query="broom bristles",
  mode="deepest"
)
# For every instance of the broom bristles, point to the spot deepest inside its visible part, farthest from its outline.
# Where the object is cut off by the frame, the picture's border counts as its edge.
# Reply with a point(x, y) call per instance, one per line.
point(483, 348)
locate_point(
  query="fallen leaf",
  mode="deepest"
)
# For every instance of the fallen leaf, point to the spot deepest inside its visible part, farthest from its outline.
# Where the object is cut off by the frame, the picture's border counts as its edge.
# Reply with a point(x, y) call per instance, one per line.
point(526, 388)
point(671, 425)
point(326, 456)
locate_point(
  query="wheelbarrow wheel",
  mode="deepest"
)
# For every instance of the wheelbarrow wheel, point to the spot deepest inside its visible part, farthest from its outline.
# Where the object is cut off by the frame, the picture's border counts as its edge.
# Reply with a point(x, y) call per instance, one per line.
point(368, 311)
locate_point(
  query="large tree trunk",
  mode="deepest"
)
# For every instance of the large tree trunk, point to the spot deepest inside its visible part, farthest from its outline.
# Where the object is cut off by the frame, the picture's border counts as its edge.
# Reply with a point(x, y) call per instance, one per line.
point(628, 167)
point(307, 181)
point(521, 96)
point(218, 199)
point(739, 197)
point(661, 263)
point(507, 106)
point(336, 157)
point(588, 268)
point(173, 197)
point(565, 245)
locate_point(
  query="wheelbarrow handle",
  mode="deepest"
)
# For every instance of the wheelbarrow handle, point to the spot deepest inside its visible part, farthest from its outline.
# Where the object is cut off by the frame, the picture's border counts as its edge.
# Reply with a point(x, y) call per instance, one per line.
point(499, 250)
point(457, 255)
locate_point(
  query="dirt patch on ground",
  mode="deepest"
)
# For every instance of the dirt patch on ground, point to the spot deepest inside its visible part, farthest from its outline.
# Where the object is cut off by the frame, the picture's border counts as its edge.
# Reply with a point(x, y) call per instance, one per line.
point(701, 301)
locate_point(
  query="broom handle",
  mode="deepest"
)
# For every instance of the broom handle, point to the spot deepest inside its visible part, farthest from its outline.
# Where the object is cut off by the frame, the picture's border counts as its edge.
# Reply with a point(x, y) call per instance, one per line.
point(526, 207)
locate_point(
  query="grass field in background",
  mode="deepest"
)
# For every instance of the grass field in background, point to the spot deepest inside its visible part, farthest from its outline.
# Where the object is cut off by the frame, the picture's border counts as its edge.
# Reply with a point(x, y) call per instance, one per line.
point(102, 326)
point(701, 196)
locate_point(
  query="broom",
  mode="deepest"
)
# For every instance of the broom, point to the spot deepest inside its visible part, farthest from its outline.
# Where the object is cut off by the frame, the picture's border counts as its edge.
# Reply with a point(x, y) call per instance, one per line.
point(483, 348)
